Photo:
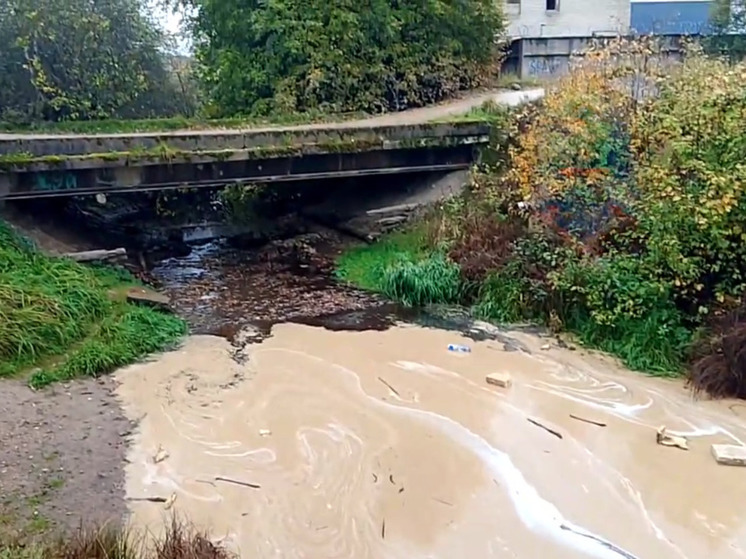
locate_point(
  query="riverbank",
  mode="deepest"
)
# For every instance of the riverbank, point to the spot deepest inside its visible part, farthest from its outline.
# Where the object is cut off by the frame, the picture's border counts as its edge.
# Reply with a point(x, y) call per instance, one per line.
point(263, 406)
point(60, 319)
point(582, 221)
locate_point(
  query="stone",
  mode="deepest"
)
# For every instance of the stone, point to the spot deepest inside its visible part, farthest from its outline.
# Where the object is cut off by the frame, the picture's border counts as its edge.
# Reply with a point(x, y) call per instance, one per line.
point(729, 454)
point(502, 380)
point(149, 298)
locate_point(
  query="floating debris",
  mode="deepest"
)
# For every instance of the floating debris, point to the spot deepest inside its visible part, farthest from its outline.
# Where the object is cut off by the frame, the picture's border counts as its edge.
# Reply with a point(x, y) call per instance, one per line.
point(394, 390)
point(237, 482)
point(502, 380)
point(729, 454)
point(170, 502)
point(547, 429)
point(663, 438)
point(160, 455)
point(591, 421)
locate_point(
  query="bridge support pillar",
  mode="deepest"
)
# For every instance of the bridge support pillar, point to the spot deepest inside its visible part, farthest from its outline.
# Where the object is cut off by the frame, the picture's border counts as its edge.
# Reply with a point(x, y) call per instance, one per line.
point(128, 176)
point(6, 187)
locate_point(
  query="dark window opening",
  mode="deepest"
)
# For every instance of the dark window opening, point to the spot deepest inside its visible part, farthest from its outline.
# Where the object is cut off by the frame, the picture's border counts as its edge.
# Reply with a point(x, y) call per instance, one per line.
point(552, 5)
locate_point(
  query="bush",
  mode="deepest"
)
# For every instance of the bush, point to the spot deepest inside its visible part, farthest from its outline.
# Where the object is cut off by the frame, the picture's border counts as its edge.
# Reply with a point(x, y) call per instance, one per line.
point(286, 56)
point(619, 213)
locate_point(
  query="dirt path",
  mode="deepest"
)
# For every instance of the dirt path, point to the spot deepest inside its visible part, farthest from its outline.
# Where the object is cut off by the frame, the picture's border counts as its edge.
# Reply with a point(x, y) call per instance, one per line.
point(412, 116)
point(62, 452)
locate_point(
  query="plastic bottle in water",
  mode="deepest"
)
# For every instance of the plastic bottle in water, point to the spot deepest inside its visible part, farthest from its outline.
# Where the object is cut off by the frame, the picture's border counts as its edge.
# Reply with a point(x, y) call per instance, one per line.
point(459, 348)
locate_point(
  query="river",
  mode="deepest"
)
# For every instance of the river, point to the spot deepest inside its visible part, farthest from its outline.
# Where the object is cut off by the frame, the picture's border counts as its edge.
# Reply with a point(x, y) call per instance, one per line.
point(361, 435)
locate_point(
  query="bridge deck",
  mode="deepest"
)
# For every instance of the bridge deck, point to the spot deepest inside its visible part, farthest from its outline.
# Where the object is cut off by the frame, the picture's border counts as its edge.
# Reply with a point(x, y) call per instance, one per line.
point(410, 117)
point(42, 165)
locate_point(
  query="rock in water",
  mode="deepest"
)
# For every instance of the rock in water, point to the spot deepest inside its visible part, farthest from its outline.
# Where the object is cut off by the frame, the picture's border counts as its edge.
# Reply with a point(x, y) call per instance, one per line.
point(502, 380)
point(729, 454)
point(149, 298)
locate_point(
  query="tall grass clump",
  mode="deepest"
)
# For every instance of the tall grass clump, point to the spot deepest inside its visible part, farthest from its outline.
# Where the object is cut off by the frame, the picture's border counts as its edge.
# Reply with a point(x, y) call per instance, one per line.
point(403, 267)
point(61, 317)
point(178, 541)
point(417, 283)
point(365, 265)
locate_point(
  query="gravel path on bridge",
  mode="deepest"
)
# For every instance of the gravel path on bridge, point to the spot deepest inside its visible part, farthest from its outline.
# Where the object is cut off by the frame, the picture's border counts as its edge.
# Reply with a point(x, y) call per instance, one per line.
point(410, 117)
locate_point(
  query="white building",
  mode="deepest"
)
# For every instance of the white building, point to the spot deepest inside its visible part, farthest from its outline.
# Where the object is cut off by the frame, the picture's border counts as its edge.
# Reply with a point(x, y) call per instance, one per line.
point(567, 18)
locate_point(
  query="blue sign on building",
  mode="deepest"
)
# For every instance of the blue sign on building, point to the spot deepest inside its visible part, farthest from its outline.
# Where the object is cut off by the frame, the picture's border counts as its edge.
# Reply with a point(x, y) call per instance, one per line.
point(670, 18)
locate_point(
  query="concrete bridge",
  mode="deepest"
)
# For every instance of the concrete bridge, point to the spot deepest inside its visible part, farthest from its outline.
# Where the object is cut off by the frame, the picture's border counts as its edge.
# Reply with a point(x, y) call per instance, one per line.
point(420, 140)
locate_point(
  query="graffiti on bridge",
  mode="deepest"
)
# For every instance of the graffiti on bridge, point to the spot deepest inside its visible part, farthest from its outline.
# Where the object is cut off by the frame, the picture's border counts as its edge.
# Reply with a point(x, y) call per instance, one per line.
point(543, 66)
point(55, 180)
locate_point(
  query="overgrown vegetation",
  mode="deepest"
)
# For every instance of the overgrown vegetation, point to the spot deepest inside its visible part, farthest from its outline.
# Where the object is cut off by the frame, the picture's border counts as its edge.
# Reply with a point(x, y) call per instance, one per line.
point(727, 32)
point(79, 60)
point(179, 541)
point(288, 57)
point(616, 212)
point(60, 319)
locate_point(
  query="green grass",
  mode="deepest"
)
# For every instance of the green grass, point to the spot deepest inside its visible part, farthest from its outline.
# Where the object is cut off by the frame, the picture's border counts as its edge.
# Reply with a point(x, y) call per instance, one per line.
point(401, 267)
point(417, 283)
point(365, 266)
point(115, 126)
point(655, 343)
point(65, 319)
point(650, 344)
point(508, 79)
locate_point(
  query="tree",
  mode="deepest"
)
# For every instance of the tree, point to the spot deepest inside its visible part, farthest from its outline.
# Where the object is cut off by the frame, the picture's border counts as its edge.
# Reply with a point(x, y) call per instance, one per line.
point(258, 57)
point(728, 29)
point(77, 59)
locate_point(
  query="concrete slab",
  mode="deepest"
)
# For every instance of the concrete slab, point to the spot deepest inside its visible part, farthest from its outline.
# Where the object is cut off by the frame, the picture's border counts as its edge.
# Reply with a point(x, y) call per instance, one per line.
point(729, 454)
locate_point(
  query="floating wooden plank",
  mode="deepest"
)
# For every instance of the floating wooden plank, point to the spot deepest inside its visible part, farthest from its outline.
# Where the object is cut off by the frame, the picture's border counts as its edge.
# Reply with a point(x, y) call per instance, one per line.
point(393, 209)
point(662, 437)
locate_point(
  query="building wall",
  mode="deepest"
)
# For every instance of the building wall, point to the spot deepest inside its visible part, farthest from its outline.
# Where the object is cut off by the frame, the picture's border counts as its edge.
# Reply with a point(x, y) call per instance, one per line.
point(572, 18)
point(670, 17)
point(549, 58)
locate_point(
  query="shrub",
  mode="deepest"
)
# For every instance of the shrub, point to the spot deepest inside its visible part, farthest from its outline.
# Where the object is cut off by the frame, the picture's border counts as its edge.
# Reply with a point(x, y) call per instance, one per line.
point(718, 355)
point(619, 213)
point(690, 154)
point(641, 186)
point(286, 56)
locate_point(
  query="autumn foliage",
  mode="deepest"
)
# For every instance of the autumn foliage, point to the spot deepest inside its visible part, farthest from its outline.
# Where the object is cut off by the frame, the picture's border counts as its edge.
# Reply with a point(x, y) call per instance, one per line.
point(627, 186)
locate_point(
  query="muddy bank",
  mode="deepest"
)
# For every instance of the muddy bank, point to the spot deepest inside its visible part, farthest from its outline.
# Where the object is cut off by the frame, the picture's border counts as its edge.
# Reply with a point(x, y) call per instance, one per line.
point(385, 444)
point(61, 457)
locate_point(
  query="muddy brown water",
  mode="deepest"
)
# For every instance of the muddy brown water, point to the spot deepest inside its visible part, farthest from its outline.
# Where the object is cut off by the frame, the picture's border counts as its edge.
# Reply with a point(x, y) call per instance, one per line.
point(384, 444)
